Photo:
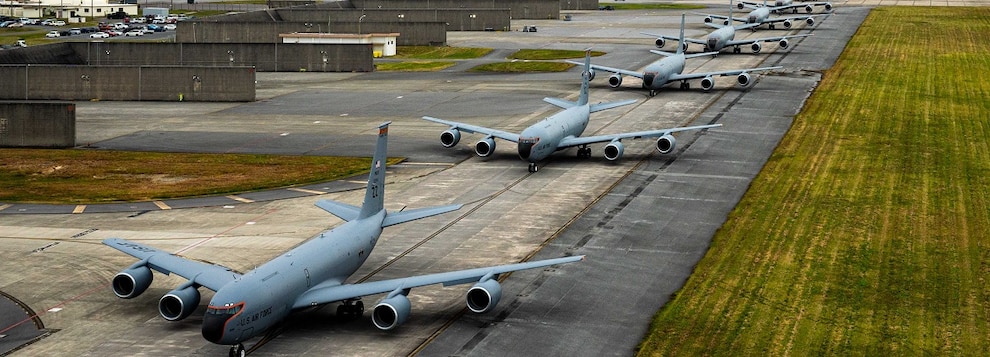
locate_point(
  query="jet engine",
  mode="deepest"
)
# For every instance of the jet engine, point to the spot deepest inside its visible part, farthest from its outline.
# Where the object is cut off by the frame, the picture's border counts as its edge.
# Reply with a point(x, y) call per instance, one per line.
point(756, 47)
point(179, 303)
point(740, 5)
point(828, 6)
point(707, 83)
point(808, 8)
point(132, 282)
point(391, 312)
point(708, 19)
point(615, 80)
point(787, 24)
point(660, 42)
point(743, 79)
point(784, 44)
point(665, 144)
point(591, 74)
point(485, 147)
point(810, 21)
point(483, 296)
point(450, 137)
point(613, 151)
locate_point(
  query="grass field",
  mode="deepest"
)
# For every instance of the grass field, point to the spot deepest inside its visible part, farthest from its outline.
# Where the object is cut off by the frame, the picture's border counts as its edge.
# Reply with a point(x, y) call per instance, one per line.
point(523, 66)
point(868, 231)
point(413, 66)
point(91, 176)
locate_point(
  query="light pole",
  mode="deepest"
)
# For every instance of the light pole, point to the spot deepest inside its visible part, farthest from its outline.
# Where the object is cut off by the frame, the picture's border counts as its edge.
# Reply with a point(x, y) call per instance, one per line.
point(359, 23)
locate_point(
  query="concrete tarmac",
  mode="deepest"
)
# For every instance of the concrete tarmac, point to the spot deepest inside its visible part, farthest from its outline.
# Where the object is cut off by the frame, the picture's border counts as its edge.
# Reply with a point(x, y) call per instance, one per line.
point(643, 220)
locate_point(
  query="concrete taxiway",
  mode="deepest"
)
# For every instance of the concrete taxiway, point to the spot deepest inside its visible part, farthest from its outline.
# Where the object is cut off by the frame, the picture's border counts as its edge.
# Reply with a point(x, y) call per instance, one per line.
point(643, 220)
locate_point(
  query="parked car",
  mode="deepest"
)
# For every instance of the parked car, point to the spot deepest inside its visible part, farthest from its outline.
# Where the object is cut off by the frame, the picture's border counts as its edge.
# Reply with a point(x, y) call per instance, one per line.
point(119, 15)
point(99, 35)
point(58, 23)
point(169, 27)
point(135, 32)
point(119, 26)
point(52, 34)
point(75, 31)
point(113, 33)
point(156, 28)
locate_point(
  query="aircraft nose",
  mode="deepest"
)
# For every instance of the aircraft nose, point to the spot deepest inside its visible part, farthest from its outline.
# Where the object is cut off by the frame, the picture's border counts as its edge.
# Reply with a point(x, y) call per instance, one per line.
point(648, 80)
point(213, 325)
point(525, 149)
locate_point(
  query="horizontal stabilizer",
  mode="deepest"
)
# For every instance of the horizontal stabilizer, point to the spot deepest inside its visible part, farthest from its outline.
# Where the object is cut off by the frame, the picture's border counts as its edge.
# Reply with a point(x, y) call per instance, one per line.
point(610, 105)
point(693, 55)
point(342, 210)
point(560, 102)
point(663, 53)
point(393, 218)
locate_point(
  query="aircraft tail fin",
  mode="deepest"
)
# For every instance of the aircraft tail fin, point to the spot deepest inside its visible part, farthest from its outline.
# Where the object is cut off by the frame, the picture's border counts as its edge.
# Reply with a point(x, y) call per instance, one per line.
point(585, 78)
point(680, 41)
point(374, 195)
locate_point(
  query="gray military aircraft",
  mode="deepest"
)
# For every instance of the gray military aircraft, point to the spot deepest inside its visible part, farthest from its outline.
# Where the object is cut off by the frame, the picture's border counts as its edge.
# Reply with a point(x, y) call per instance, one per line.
point(724, 36)
point(310, 274)
point(561, 130)
point(669, 68)
point(789, 4)
point(760, 15)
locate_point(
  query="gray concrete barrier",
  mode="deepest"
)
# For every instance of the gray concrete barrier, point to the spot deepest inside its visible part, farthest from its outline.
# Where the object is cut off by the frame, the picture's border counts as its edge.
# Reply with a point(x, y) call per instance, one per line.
point(37, 124)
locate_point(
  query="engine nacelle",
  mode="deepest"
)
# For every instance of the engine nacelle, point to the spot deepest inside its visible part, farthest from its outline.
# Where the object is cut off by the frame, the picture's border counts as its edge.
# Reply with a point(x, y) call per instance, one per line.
point(614, 150)
point(485, 147)
point(787, 24)
point(808, 8)
point(665, 144)
point(756, 47)
point(828, 6)
point(707, 83)
point(179, 303)
point(483, 296)
point(810, 21)
point(591, 74)
point(391, 312)
point(660, 42)
point(615, 80)
point(784, 44)
point(132, 282)
point(740, 6)
point(708, 19)
point(450, 137)
point(743, 79)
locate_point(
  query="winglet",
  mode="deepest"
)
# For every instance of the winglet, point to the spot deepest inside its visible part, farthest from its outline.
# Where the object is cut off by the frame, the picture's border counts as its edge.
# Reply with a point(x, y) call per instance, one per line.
point(374, 195)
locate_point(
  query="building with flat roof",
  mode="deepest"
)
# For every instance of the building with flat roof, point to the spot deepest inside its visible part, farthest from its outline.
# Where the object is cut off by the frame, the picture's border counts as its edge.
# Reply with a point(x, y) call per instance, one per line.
point(383, 44)
point(78, 10)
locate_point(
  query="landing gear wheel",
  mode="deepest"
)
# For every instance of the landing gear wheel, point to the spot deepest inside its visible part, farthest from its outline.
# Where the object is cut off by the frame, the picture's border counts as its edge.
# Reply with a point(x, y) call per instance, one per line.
point(533, 167)
point(653, 93)
point(771, 26)
point(238, 351)
point(685, 85)
point(350, 309)
point(584, 153)
point(736, 50)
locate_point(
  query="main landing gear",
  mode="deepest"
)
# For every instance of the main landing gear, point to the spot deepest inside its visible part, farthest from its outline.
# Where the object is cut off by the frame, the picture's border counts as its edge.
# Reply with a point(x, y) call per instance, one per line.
point(533, 167)
point(350, 309)
point(237, 351)
point(653, 93)
point(584, 152)
point(685, 85)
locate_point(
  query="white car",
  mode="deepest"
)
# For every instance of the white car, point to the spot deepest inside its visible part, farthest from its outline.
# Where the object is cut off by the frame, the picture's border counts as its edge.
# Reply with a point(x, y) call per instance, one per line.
point(134, 32)
point(58, 23)
point(119, 26)
point(52, 34)
point(169, 27)
point(99, 35)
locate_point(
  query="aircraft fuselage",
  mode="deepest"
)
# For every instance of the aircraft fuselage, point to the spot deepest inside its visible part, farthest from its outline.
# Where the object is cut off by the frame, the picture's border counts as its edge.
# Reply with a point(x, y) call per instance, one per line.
point(658, 73)
point(542, 139)
point(758, 16)
point(261, 298)
point(719, 38)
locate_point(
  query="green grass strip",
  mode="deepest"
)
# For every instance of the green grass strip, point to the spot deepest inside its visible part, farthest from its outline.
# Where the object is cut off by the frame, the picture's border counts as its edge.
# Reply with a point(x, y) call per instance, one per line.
point(868, 231)
point(439, 52)
point(91, 176)
point(413, 66)
point(523, 66)
point(531, 54)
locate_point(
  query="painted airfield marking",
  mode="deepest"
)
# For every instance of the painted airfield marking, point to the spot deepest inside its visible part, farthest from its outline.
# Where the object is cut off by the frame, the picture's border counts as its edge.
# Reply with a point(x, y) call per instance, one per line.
point(303, 190)
point(240, 199)
point(79, 209)
point(161, 205)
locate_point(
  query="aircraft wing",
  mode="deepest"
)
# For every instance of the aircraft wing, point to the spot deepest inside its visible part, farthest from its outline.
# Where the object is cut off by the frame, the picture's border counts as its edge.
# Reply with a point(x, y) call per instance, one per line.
point(476, 129)
point(613, 70)
point(791, 18)
point(331, 292)
point(683, 76)
point(570, 142)
point(393, 218)
point(764, 39)
point(211, 276)
point(675, 39)
point(722, 17)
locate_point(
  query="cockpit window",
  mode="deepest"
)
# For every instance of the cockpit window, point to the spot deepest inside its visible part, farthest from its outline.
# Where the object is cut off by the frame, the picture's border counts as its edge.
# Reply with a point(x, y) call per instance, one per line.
point(224, 310)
